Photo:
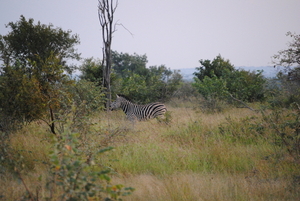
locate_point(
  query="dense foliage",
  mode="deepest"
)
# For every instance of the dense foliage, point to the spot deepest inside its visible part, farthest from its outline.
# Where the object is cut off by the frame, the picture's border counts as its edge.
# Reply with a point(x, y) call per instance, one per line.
point(28, 42)
point(125, 64)
point(218, 67)
point(130, 76)
point(218, 79)
point(34, 83)
point(91, 69)
point(27, 97)
point(35, 87)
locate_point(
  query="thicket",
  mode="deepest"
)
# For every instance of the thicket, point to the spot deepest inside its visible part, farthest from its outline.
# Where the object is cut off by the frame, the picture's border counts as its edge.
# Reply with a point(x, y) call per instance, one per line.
point(36, 87)
point(34, 59)
point(218, 81)
point(131, 77)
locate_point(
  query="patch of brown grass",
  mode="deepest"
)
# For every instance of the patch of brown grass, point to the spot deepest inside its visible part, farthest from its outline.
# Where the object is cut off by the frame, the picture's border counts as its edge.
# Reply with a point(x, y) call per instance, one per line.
point(235, 171)
point(190, 186)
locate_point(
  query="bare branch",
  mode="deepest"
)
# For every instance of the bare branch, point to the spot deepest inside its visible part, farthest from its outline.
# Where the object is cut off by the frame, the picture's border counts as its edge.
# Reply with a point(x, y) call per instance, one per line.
point(120, 24)
point(250, 108)
point(291, 56)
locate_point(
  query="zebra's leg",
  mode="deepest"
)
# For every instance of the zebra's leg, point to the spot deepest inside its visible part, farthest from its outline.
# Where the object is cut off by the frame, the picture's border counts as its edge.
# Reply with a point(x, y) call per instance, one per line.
point(132, 118)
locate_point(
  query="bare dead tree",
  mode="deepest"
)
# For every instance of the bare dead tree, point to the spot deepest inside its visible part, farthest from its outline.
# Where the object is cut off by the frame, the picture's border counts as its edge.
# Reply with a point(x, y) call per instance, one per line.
point(106, 10)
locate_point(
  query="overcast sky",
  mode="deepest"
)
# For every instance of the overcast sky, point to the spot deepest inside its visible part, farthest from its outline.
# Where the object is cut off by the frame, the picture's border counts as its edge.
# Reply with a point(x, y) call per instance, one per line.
point(176, 33)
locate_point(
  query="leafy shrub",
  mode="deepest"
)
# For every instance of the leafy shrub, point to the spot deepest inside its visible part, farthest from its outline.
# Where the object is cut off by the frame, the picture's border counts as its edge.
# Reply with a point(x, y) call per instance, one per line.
point(92, 70)
point(217, 67)
point(155, 86)
point(214, 92)
point(283, 92)
point(74, 175)
point(20, 97)
point(211, 87)
point(286, 128)
point(218, 80)
point(136, 88)
point(245, 85)
point(77, 102)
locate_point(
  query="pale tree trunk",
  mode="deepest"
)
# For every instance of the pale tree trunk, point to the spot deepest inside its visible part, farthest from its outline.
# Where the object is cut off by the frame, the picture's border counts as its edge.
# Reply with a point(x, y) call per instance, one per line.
point(106, 10)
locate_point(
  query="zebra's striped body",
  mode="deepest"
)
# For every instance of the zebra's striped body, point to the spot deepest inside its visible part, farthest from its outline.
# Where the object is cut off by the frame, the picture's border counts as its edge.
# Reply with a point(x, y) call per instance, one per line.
point(138, 112)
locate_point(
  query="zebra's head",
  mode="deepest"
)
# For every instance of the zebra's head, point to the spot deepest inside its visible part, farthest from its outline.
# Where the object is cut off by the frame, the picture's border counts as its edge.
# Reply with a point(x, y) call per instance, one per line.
point(116, 104)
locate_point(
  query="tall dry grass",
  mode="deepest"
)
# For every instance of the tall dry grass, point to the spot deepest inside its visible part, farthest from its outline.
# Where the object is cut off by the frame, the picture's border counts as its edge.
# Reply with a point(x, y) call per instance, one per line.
point(198, 156)
point(191, 186)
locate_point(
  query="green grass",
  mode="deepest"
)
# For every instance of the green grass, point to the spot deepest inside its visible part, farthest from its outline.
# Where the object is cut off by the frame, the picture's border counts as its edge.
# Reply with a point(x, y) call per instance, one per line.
point(169, 158)
point(222, 156)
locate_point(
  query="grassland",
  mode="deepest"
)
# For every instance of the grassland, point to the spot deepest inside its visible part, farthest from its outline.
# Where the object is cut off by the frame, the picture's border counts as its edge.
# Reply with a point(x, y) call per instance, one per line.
point(223, 156)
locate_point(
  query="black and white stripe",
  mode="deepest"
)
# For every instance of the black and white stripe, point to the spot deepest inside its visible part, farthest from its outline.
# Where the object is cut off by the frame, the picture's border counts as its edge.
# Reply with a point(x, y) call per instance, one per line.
point(138, 112)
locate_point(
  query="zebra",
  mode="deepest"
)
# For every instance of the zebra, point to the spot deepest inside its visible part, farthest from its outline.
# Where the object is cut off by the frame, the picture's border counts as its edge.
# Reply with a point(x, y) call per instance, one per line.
point(138, 112)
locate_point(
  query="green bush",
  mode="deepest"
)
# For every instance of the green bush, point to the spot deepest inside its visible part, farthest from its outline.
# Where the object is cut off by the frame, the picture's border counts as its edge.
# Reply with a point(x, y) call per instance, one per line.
point(214, 92)
point(245, 85)
point(218, 82)
point(283, 92)
point(74, 175)
point(285, 125)
point(211, 87)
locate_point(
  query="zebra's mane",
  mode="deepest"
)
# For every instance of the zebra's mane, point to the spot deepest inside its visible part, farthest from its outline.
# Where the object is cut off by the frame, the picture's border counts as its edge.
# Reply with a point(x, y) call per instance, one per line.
point(122, 95)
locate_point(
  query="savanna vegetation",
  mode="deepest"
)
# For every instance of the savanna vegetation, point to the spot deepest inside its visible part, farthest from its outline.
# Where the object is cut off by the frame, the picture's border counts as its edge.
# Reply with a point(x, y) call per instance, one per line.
point(228, 135)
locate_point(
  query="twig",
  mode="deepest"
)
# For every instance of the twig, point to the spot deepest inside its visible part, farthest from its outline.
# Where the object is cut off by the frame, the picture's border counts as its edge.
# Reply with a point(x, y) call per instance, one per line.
point(120, 24)
point(24, 184)
point(250, 108)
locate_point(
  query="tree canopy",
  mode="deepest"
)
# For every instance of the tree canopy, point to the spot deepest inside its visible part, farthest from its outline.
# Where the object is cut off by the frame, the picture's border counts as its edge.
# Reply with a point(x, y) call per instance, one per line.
point(290, 58)
point(218, 79)
point(92, 70)
point(217, 67)
point(28, 42)
point(125, 64)
point(34, 64)
point(130, 76)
